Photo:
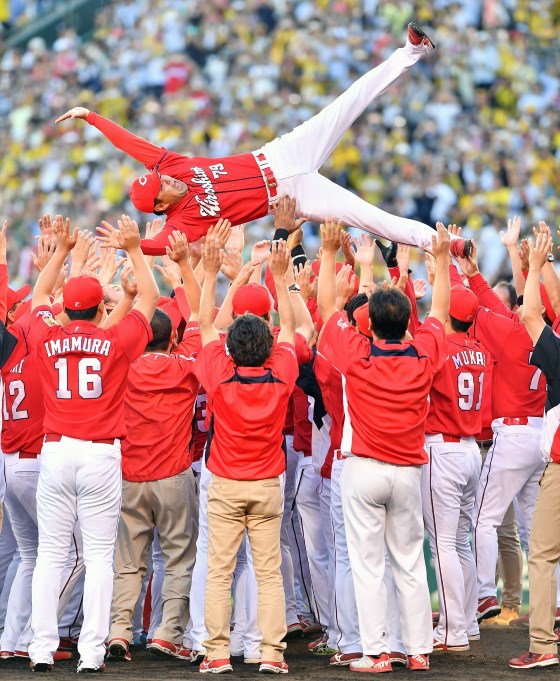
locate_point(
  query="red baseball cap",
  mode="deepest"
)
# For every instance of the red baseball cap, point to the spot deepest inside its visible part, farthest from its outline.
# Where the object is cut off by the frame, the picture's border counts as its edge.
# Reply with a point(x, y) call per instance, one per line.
point(144, 190)
point(81, 293)
point(463, 304)
point(23, 309)
point(252, 298)
point(361, 315)
point(171, 309)
point(17, 295)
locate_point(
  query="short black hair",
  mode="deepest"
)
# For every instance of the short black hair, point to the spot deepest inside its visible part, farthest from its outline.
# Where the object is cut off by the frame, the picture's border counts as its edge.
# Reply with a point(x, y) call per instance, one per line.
point(389, 312)
point(353, 304)
point(82, 315)
point(159, 212)
point(161, 331)
point(459, 326)
point(249, 341)
point(512, 293)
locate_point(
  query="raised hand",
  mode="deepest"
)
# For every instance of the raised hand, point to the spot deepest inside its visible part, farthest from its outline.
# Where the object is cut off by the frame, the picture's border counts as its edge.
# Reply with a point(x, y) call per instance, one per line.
point(440, 243)
point(331, 231)
point(170, 272)
point(81, 251)
point(346, 284)
point(430, 263)
point(64, 239)
point(45, 225)
point(403, 257)
point(420, 288)
point(511, 236)
point(469, 266)
point(178, 249)
point(108, 236)
point(285, 215)
point(543, 229)
point(260, 250)
point(76, 112)
point(523, 251)
point(279, 259)
point(128, 234)
point(3, 259)
point(236, 239)
point(538, 253)
point(453, 229)
point(212, 255)
point(128, 282)
point(221, 230)
point(346, 247)
point(365, 249)
point(153, 228)
point(308, 288)
point(232, 263)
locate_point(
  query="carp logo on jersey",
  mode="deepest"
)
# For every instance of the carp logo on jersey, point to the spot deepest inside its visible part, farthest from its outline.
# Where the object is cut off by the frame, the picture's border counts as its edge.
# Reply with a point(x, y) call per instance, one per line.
point(47, 317)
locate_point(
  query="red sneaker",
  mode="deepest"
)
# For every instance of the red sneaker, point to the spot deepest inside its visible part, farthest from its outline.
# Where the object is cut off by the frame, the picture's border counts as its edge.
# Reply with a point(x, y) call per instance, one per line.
point(440, 647)
point(529, 660)
point(344, 659)
point(309, 628)
point(398, 659)
point(273, 668)
point(160, 647)
point(318, 642)
point(489, 606)
point(372, 665)
point(118, 649)
point(7, 654)
point(461, 248)
point(418, 37)
point(58, 656)
point(418, 663)
point(215, 666)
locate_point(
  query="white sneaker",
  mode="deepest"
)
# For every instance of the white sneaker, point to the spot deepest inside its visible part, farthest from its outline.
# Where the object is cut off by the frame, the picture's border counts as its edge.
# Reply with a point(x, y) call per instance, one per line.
point(369, 663)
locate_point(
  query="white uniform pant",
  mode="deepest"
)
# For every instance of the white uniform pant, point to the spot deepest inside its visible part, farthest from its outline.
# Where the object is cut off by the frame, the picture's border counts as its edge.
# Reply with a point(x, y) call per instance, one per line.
point(296, 157)
point(9, 563)
point(287, 566)
point(449, 484)
point(344, 599)
point(308, 488)
point(383, 508)
point(512, 470)
point(79, 481)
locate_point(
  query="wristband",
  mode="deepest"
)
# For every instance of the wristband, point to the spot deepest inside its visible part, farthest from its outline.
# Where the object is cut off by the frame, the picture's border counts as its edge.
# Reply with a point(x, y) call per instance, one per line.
point(519, 300)
point(281, 233)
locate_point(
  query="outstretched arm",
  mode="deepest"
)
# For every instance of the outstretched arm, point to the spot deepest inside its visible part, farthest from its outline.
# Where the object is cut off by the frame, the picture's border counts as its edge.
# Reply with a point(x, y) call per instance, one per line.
point(532, 305)
point(147, 153)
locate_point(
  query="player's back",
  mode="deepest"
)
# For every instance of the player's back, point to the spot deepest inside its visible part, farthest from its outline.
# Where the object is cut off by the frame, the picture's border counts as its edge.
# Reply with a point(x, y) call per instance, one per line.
point(457, 392)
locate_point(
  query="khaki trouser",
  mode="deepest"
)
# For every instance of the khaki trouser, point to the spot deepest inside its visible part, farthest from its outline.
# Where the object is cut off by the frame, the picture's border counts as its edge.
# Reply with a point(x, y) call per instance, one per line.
point(171, 506)
point(544, 554)
point(510, 561)
point(233, 506)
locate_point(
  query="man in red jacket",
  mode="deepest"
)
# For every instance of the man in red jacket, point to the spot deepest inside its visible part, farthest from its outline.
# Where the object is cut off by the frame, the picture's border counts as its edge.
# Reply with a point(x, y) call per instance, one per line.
point(194, 192)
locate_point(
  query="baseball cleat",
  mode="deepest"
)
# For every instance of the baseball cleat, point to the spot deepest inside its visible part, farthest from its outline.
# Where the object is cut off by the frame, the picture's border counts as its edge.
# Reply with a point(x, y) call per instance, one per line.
point(197, 656)
point(372, 664)
point(118, 649)
point(502, 620)
point(317, 642)
point(7, 655)
point(419, 663)
point(273, 668)
point(84, 668)
point(398, 659)
point(167, 649)
point(41, 667)
point(309, 628)
point(487, 607)
point(418, 36)
point(530, 660)
point(440, 647)
point(294, 630)
point(461, 248)
point(344, 659)
point(215, 666)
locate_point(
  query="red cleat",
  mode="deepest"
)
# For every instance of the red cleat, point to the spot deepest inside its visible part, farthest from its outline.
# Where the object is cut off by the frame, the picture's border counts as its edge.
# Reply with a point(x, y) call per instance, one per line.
point(461, 248)
point(418, 37)
point(418, 663)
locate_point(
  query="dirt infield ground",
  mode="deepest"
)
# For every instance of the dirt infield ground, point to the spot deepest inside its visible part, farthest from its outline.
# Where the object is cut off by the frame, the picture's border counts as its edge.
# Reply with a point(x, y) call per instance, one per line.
point(487, 659)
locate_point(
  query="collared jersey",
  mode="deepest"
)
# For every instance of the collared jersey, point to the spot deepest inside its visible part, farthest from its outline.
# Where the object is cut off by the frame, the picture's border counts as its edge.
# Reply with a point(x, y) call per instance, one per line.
point(84, 370)
point(245, 440)
point(546, 356)
point(386, 388)
point(159, 403)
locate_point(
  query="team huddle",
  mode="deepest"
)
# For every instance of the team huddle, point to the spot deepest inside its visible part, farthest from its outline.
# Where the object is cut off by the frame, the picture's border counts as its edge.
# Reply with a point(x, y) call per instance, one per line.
point(201, 480)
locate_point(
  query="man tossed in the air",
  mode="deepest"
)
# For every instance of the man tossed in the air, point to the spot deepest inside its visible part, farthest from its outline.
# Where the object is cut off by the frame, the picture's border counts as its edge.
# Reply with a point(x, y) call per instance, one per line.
point(194, 192)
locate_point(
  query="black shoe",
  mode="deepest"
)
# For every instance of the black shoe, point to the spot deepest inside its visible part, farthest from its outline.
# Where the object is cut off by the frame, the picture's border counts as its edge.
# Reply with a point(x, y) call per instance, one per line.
point(41, 667)
point(418, 37)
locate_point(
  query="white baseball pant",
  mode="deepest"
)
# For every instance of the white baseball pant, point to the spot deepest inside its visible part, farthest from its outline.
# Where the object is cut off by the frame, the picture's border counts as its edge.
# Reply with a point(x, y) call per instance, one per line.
point(512, 469)
point(449, 484)
point(326, 525)
point(79, 480)
point(296, 157)
point(22, 475)
point(287, 566)
point(308, 484)
point(346, 613)
point(9, 561)
point(383, 509)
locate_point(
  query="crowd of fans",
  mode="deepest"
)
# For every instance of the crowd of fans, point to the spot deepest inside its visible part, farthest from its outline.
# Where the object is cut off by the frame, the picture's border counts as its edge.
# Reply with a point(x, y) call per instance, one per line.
point(469, 137)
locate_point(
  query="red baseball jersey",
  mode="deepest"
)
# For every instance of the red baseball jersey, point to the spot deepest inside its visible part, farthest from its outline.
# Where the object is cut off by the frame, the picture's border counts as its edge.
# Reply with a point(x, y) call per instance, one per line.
point(84, 370)
point(386, 388)
point(249, 404)
point(158, 411)
point(231, 187)
point(301, 421)
point(457, 393)
point(518, 388)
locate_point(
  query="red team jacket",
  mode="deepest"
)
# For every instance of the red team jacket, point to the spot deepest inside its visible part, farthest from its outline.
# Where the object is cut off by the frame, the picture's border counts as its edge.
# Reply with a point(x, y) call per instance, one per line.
point(231, 187)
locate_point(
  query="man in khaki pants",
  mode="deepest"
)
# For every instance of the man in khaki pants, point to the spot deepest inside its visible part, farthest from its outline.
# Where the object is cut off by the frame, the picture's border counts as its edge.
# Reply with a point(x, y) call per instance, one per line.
point(544, 542)
point(249, 388)
point(158, 483)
